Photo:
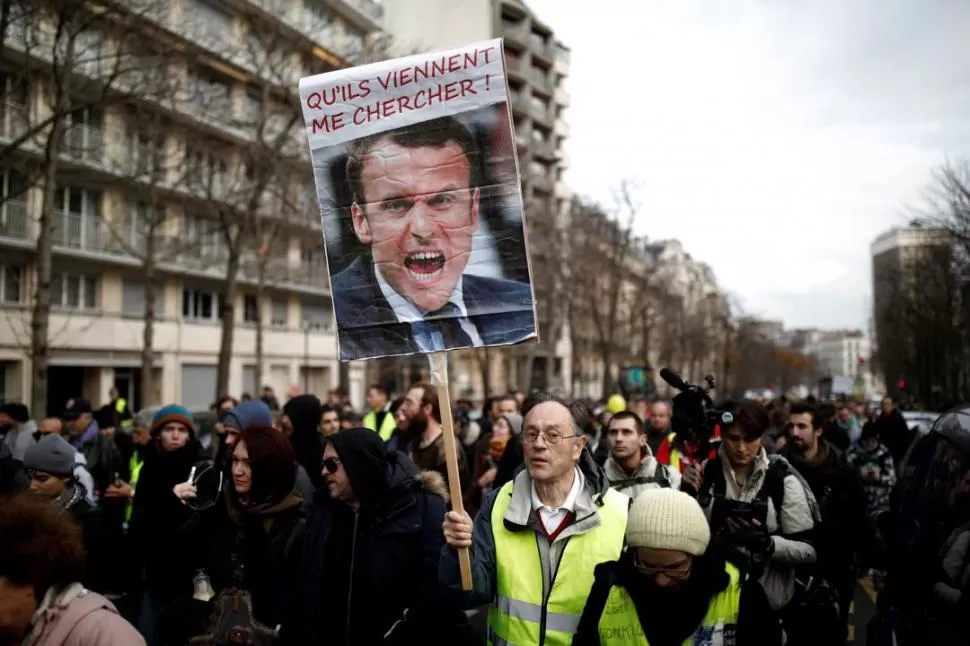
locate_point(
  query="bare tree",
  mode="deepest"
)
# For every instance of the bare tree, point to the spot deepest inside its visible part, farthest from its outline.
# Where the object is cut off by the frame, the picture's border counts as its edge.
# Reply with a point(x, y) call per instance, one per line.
point(601, 250)
point(80, 57)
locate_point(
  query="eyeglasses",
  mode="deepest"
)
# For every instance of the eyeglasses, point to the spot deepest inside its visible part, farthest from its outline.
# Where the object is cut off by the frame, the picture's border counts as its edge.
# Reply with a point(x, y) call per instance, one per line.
point(653, 572)
point(330, 465)
point(552, 438)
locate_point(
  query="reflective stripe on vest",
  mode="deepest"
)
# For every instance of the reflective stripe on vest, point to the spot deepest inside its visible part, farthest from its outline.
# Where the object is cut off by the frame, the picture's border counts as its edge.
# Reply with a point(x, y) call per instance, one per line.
point(674, 453)
point(620, 625)
point(120, 405)
point(134, 466)
point(387, 426)
point(518, 613)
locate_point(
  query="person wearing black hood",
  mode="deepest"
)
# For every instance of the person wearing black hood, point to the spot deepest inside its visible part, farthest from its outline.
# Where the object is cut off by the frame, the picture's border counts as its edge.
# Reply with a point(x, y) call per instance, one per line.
point(840, 496)
point(157, 515)
point(247, 540)
point(301, 416)
point(368, 572)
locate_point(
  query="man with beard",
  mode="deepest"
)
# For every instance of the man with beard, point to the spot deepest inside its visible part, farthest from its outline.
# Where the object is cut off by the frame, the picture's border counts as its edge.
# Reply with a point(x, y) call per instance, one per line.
point(841, 499)
point(631, 467)
point(367, 573)
point(415, 207)
point(420, 419)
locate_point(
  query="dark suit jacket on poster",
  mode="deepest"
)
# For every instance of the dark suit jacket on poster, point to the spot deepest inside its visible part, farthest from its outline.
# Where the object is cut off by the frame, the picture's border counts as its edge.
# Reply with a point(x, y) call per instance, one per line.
point(501, 311)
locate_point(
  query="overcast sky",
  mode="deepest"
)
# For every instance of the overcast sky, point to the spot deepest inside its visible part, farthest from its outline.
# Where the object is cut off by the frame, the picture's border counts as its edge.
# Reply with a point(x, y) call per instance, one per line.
point(775, 139)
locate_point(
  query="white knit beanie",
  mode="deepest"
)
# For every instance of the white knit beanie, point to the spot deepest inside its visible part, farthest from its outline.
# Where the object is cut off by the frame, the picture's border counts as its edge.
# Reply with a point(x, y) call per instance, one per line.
point(667, 519)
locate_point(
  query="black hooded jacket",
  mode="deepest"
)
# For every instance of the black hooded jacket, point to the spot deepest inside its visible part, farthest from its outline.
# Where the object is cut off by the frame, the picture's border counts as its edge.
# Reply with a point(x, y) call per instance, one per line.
point(304, 414)
point(361, 569)
point(157, 516)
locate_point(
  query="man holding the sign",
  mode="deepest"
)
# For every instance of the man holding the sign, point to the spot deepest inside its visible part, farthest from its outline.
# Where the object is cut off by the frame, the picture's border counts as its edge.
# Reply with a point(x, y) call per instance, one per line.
point(561, 498)
point(416, 201)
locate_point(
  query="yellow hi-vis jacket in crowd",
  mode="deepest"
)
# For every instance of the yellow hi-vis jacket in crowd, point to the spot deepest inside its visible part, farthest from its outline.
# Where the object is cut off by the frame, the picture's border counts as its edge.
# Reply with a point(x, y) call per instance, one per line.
point(519, 615)
point(620, 625)
point(387, 425)
point(120, 406)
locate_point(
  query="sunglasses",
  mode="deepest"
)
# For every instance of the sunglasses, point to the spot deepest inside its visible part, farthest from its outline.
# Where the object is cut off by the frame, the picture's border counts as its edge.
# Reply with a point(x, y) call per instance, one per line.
point(330, 465)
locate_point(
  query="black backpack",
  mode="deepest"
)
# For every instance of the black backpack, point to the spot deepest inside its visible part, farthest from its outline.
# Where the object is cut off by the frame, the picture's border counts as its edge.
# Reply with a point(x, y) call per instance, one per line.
point(233, 623)
point(814, 608)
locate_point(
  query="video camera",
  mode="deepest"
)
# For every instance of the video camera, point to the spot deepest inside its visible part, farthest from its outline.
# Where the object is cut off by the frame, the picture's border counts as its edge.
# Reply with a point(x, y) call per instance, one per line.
point(695, 416)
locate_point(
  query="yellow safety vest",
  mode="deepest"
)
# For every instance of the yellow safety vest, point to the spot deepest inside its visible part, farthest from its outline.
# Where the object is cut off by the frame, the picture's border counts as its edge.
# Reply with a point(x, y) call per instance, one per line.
point(674, 453)
point(620, 625)
point(134, 465)
point(387, 426)
point(519, 615)
point(120, 405)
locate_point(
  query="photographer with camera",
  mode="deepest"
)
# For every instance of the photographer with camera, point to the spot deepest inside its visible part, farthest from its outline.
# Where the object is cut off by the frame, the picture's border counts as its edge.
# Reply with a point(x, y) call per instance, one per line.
point(763, 509)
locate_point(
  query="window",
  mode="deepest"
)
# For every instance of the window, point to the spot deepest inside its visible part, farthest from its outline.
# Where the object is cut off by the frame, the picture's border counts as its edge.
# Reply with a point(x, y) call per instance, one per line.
point(317, 21)
point(211, 25)
point(200, 239)
point(316, 315)
point(209, 95)
point(11, 284)
point(83, 137)
point(353, 43)
point(77, 217)
point(133, 299)
point(13, 204)
point(199, 305)
point(250, 308)
point(278, 316)
point(145, 149)
point(206, 166)
point(252, 108)
point(89, 53)
point(13, 104)
point(74, 291)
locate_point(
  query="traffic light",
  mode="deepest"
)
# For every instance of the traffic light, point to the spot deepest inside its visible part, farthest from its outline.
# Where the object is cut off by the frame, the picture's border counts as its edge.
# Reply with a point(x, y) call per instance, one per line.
point(901, 384)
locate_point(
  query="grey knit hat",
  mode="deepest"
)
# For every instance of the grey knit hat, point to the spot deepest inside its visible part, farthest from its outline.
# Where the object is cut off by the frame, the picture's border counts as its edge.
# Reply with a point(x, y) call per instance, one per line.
point(51, 454)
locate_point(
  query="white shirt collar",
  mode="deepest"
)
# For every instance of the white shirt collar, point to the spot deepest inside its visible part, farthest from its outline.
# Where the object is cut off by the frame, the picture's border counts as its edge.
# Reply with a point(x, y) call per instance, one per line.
point(405, 310)
point(569, 504)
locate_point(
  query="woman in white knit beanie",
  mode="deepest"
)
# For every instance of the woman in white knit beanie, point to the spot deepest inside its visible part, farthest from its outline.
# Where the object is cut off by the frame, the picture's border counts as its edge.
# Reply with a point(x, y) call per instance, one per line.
point(672, 587)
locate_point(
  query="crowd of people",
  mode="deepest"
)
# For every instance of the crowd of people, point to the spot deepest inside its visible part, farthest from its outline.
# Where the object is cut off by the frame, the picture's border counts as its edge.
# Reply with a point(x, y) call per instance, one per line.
point(316, 523)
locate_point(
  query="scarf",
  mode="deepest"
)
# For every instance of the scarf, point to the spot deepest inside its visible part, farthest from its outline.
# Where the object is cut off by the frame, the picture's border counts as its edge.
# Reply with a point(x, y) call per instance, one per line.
point(69, 497)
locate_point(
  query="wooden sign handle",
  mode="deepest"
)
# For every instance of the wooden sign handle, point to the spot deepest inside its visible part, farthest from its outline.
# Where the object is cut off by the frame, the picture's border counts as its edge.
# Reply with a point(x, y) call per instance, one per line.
point(439, 377)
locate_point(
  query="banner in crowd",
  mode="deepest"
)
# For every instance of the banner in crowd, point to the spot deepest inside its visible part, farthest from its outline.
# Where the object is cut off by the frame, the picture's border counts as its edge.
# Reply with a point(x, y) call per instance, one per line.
point(420, 203)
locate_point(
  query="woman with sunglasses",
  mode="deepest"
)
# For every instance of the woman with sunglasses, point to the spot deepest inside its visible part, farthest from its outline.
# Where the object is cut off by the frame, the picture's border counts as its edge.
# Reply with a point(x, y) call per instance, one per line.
point(670, 587)
point(244, 541)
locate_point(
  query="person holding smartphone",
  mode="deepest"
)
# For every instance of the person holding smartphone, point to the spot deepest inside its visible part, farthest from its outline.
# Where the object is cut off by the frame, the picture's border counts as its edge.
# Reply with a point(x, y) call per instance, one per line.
point(157, 515)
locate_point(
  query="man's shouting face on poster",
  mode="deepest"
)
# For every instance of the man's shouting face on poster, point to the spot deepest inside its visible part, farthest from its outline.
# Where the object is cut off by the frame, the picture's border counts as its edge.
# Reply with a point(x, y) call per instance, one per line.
point(415, 204)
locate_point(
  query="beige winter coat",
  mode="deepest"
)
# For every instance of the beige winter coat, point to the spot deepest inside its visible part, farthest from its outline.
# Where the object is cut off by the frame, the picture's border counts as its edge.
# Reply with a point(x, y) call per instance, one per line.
point(74, 616)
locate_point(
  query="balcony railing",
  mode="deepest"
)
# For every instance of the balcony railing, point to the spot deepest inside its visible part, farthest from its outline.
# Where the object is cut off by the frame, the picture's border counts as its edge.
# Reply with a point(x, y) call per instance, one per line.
point(76, 231)
point(13, 219)
point(544, 150)
point(562, 96)
point(84, 143)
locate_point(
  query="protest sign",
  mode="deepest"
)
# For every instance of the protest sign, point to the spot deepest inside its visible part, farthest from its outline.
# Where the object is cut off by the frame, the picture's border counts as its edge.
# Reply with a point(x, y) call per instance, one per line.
point(418, 183)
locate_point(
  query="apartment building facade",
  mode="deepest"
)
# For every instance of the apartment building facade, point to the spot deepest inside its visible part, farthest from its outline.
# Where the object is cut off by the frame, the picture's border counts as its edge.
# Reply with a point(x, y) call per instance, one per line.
point(234, 69)
point(538, 66)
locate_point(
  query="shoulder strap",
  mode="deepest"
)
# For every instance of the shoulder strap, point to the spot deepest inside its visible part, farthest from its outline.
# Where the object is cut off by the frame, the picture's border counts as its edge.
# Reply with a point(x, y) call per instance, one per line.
point(662, 476)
